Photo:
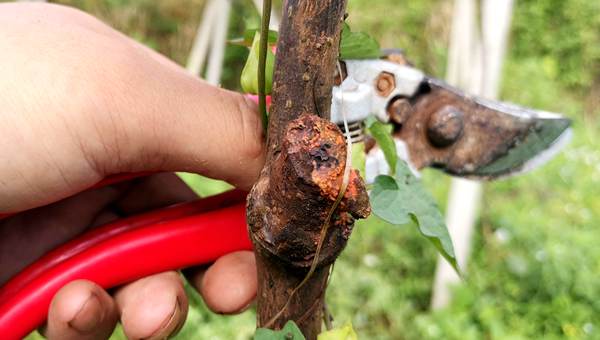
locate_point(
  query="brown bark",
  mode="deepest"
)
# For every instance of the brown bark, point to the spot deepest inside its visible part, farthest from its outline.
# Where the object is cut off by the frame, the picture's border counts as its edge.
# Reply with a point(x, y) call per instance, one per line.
point(288, 206)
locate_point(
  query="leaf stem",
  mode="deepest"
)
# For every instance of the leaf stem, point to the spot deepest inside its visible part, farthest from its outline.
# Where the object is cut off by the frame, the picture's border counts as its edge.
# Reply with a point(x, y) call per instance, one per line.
point(262, 61)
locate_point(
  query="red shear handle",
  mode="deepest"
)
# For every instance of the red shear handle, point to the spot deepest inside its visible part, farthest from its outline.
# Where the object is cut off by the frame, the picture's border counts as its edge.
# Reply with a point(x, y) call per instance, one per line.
point(107, 181)
point(105, 232)
point(124, 257)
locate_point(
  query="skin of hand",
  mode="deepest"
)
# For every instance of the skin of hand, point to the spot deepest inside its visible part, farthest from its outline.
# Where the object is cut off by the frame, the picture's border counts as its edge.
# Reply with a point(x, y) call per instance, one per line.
point(79, 102)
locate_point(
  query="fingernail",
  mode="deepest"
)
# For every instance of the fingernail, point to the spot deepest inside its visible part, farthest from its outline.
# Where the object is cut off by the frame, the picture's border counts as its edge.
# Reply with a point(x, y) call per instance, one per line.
point(89, 316)
point(171, 326)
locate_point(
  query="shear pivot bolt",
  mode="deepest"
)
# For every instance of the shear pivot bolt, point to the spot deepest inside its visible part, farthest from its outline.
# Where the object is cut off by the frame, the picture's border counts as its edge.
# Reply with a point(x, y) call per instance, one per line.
point(399, 110)
point(385, 84)
point(445, 126)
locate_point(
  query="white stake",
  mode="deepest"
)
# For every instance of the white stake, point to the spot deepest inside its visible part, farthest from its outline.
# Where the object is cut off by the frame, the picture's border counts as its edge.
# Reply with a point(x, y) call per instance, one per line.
point(475, 65)
point(217, 53)
point(199, 51)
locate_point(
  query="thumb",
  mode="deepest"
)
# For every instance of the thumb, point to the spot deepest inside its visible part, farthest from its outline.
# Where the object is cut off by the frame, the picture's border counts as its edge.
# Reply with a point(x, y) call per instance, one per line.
point(176, 122)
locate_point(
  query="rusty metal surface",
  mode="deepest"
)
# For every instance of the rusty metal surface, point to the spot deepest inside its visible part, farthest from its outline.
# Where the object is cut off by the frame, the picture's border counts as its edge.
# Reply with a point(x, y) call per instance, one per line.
point(440, 126)
point(469, 136)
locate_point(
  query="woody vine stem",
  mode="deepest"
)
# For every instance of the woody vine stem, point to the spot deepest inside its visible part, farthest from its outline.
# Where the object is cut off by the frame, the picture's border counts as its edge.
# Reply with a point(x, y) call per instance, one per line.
point(297, 235)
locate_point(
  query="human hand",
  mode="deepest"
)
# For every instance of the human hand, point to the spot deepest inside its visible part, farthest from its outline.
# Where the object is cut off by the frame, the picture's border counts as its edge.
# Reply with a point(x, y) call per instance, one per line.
point(80, 102)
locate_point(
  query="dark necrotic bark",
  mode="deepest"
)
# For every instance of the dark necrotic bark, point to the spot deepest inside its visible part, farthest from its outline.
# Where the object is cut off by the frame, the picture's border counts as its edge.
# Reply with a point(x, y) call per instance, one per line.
point(288, 206)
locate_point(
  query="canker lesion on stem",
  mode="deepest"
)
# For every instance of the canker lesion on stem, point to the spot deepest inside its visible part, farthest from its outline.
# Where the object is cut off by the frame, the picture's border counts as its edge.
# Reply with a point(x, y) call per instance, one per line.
point(289, 208)
point(287, 212)
point(289, 205)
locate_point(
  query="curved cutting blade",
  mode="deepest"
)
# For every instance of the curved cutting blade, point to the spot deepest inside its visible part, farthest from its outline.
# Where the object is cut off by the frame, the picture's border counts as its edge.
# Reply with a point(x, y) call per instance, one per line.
point(472, 137)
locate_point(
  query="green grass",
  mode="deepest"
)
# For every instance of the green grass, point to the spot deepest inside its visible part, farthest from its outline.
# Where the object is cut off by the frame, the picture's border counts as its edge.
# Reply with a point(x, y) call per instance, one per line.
point(540, 279)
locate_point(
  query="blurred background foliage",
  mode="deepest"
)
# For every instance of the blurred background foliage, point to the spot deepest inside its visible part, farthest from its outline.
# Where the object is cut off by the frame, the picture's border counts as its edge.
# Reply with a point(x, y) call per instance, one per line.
point(535, 266)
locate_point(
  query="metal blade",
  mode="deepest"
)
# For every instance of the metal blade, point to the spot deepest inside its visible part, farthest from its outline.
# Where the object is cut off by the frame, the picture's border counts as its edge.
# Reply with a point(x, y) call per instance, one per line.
point(472, 137)
point(547, 135)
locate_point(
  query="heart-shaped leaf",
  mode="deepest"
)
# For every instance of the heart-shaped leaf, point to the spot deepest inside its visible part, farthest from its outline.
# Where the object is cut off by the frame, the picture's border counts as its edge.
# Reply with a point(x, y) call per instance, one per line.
point(358, 45)
point(290, 331)
point(402, 199)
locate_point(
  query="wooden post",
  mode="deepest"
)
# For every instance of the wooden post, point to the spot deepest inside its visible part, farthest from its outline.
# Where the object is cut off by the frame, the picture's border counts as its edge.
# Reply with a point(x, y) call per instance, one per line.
point(216, 56)
point(289, 204)
point(474, 64)
point(197, 56)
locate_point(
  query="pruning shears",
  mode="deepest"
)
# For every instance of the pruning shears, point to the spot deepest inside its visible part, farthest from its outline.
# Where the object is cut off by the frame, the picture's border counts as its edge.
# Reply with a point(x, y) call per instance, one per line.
point(434, 125)
point(437, 125)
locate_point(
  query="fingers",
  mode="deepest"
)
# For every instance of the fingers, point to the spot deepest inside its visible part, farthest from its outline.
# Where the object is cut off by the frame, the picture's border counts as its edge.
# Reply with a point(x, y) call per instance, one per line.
point(184, 124)
point(154, 307)
point(181, 123)
point(132, 111)
point(26, 237)
point(151, 308)
point(231, 144)
point(171, 121)
point(229, 285)
point(153, 192)
point(81, 310)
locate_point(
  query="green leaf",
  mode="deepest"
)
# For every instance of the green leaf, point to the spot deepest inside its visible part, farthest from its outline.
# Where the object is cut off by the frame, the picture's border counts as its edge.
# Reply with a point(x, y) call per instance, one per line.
point(358, 45)
point(289, 332)
point(345, 332)
point(250, 34)
point(359, 158)
point(248, 38)
point(384, 139)
point(249, 78)
point(402, 199)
